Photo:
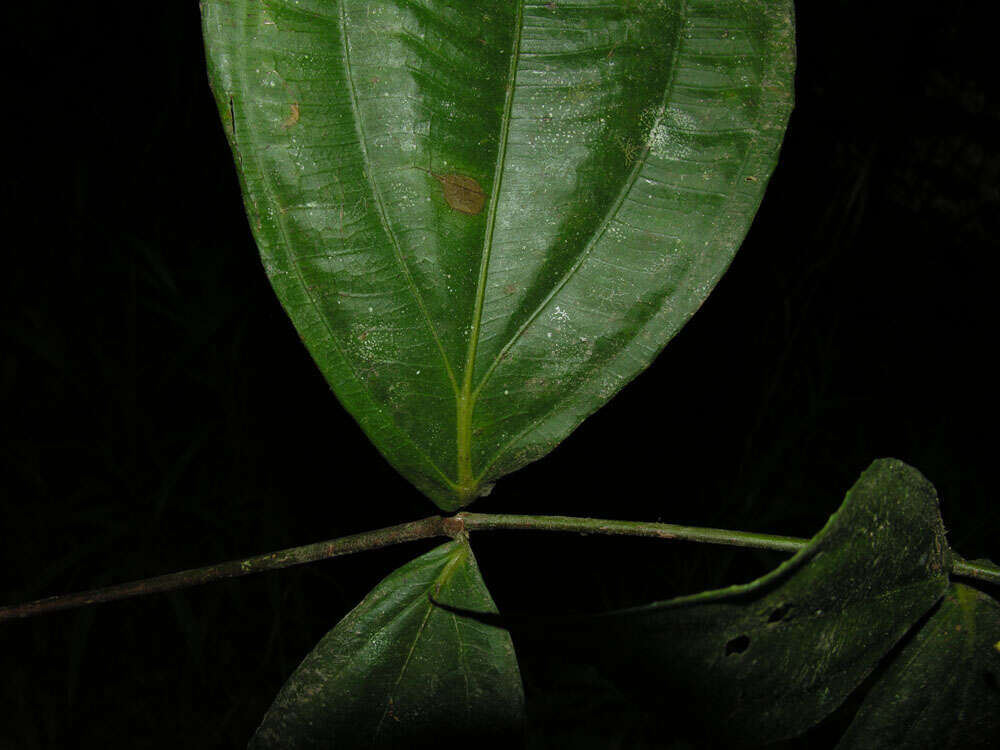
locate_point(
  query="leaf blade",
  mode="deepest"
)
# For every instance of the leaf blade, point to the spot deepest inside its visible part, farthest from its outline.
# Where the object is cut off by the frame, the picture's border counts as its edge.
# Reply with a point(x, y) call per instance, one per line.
point(769, 659)
point(485, 219)
point(942, 689)
point(399, 670)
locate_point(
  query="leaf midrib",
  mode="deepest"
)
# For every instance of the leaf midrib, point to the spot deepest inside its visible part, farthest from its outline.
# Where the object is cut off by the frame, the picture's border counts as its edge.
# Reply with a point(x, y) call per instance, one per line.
point(467, 392)
point(588, 249)
point(466, 398)
point(439, 582)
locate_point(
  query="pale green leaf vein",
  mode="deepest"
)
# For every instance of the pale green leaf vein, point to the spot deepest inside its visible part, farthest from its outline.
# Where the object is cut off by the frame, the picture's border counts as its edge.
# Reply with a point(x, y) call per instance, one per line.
point(380, 204)
point(465, 399)
point(237, 70)
point(609, 217)
point(443, 577)
point(464, 662)
point(498, 172)
point(402, 670)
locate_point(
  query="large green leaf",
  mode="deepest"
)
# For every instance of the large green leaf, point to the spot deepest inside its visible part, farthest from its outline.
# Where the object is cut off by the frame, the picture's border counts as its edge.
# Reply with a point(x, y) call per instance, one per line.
point(484, 218)
point(769, 659)
point(401, 671)
point(943, 689)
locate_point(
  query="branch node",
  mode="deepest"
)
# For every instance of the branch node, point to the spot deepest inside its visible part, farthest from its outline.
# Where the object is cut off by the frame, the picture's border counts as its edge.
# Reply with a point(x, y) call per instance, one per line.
point(453, 526)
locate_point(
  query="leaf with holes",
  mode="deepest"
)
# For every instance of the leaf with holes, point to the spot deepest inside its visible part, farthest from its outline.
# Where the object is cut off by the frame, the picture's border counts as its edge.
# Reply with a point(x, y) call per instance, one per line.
point(943, 689)
point(484, 218)
point(401, 671)
point(769, 659)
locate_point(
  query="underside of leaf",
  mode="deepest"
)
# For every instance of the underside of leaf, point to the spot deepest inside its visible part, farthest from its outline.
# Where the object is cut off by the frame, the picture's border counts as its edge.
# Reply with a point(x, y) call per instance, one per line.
point(943, 689)
point(400, 671)
point(484, 218)
point(769, 659)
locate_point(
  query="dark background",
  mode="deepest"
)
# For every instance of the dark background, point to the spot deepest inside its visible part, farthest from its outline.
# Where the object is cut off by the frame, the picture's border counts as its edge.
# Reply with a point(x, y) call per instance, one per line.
point(158, 411)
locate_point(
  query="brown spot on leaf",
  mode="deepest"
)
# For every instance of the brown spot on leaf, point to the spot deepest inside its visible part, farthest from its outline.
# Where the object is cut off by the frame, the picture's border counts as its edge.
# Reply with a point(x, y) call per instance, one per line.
point(293, 116)
point(462, 193)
